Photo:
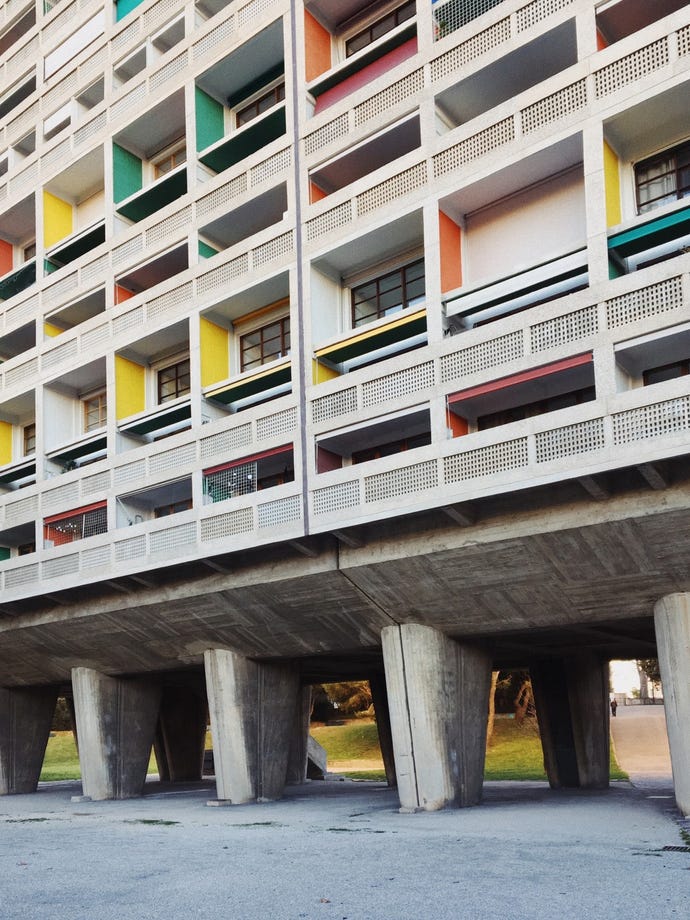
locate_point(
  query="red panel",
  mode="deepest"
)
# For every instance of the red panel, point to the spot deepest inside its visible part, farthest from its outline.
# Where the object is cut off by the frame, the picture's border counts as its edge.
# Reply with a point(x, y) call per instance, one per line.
point(366, 75)
point(533, 374)
point(326, 460)
point(5, 257)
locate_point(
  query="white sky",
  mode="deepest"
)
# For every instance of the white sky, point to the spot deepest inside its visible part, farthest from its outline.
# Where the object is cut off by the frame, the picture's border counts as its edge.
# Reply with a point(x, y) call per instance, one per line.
point(624, 676)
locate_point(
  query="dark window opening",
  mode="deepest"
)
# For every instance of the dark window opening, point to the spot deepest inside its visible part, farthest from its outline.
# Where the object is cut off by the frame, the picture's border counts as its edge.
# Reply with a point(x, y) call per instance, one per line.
point(388, 294)
point(265, 344)
point(666, 372)
point(663, 178)
point(379, 28)
point(391, 447)
point(539, 407)
point(173, 381)
point(260, 105)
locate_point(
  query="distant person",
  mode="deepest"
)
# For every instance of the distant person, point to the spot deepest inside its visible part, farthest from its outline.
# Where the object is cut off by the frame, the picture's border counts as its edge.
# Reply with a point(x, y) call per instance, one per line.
point(614, 707)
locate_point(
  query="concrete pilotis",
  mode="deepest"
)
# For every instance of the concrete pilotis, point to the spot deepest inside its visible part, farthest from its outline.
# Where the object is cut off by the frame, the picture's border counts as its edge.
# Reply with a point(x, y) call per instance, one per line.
point(25, 718)
point(379, 696)
point(181, 735)
point(438, 700)
point(116, 722)
point(299, 740)
point(252, 708)
point(672, 625)
point(571, 697)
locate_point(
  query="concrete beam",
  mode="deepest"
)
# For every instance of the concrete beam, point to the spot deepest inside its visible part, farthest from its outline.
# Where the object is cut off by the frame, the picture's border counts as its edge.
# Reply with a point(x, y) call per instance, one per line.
point(438, 695)
point(251, 707)
point(572, 701)
point(25, 719)
point(672, 625)
point(116, 722)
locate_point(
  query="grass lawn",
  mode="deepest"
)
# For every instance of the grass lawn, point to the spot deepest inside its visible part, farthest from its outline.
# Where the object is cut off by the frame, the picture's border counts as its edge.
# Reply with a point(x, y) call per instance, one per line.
point(353, 749)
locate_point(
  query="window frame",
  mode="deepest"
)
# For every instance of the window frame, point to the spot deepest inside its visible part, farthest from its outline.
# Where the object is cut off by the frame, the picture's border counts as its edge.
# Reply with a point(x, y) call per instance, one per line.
point(102, 397)
point(29, 439)
point(405, 299)
point(678, 192)
point(173, 364)
point(282, 321)
point(371, 22)
point(275, 89)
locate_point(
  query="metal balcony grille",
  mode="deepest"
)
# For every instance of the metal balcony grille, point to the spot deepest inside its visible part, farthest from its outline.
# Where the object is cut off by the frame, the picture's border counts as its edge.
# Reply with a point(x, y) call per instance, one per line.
point(454, 14)
point(231, 482)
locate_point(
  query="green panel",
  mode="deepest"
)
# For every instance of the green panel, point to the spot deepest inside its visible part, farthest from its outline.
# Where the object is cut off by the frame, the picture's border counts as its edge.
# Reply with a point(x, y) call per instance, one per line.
point(210, 122)
point(652, 233)
point(18, 472)
point(4, 553)
point(81, 450)
point(123, 7)
point(63, 255)
point(127, 173)
point(206, 251)
point(256, 135)
point(18, 281)
point(156, 196)
point(148, 425)
point(244, 388)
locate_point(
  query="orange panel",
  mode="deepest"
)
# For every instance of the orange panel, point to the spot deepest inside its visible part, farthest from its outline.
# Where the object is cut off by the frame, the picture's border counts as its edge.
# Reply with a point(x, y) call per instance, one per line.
point(457, 425)
point(5, 257)
point(317, 53)
point(451, 267)
point(315, 193)
point(122, 294)
point(601, 41)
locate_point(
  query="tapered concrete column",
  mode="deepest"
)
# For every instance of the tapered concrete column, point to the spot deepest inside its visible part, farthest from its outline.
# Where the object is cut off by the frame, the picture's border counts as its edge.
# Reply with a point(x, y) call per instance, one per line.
point(116, 722)
point(572, 701)
point(299, 739)
point(252, 708)
point(438, 696)
point(25, 719)
point(379, 697)
point(181, 735)
point(672, 625)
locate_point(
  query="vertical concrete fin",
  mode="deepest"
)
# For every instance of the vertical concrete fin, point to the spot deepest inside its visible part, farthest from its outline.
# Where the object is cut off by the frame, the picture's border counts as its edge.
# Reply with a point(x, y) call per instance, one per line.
point(379, 697)
point(25, 718)
point(299, 740)
point(672, 625)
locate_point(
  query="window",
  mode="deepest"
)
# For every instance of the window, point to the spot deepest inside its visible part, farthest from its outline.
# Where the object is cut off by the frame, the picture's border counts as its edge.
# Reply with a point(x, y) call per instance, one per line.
point(29, 251)
point(29, 439)
point(173, 381)
point(539, 407)
point(25, 549)
point(663, 178)
point(95, 411)
point(388, 294)
point(265, 344)
point(392, 447)
point(172, 508)
point(261, 104)
point(380, 27)
point(169, 159)
point(666, 372)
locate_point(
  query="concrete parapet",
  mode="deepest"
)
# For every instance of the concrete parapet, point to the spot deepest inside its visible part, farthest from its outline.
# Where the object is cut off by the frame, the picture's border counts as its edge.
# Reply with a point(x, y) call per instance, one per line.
point(438, 694)
point(116, 721)
point(25, 718)
point(252, 709)
point(672, 625)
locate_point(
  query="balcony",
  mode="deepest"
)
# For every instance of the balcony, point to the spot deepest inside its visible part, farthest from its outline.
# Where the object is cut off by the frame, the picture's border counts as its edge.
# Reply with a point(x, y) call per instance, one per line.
point(250, 474)
point(79, 524)
point(451, 15)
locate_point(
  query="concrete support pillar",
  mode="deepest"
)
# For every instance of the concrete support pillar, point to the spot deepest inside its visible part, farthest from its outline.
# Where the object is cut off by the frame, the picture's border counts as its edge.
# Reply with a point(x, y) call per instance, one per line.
point(572, 701)
point(438, 694)
point(379, 697)
point(299, 740)
point(672, 625)
point(25, 719)
point(181, 735)
point(252, 710)
point(116, 722)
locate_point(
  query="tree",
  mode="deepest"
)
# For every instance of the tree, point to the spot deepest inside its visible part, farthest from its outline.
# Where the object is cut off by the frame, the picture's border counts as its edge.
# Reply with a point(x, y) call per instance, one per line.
point(648, 669)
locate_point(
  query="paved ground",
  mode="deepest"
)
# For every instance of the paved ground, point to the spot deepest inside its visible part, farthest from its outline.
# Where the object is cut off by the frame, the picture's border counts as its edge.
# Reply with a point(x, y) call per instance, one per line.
point(641, 743)
point(341, 851)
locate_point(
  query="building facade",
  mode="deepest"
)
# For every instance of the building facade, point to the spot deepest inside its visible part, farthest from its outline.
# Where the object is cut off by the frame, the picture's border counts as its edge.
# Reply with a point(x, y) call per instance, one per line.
point(340, 338)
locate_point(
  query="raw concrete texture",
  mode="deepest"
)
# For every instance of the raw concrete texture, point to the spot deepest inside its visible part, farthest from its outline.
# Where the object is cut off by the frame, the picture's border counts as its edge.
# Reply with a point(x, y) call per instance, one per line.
point(342, 851)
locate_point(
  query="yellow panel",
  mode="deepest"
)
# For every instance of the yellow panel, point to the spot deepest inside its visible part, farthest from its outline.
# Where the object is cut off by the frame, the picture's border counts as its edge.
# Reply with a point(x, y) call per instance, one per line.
point(57, 219)
point(613, 187)
point(214, 353)
point(321, 372)
point(130, 387)
point(5, 443)
point(51, 330)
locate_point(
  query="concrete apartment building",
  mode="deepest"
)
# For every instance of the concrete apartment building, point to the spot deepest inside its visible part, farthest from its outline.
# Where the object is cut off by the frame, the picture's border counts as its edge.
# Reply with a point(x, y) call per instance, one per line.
point(340, 339)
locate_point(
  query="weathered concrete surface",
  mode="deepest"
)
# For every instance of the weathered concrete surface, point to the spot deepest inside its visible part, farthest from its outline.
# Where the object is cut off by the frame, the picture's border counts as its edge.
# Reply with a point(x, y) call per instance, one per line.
point(25, 717)
point(528, 854)
point(252, 710)
point(572, 701)
point(438, 692)
point(116, 722)
point(672, 624)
